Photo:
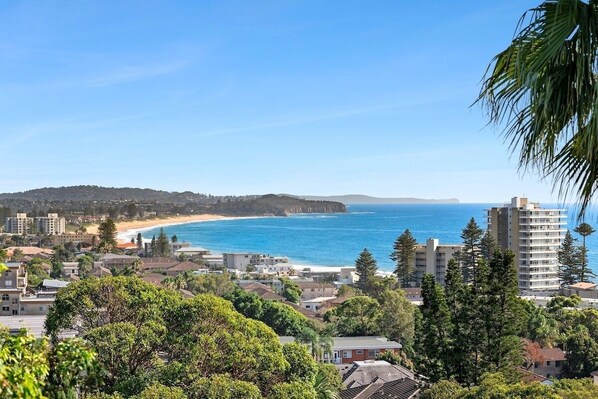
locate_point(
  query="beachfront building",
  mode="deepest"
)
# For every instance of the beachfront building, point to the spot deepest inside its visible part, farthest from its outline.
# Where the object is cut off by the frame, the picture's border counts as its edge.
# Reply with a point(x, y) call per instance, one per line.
point(534, 234)
point(433, 258)
point(240, 261)
point(19, 224)
point(51, 224)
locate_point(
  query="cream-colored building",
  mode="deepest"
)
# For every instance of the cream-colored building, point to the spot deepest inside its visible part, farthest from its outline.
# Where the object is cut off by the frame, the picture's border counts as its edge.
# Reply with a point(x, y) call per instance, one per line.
point(20, 224)
point(14, 300)
point(50, 224)
point(433, 258)
point(534, 234)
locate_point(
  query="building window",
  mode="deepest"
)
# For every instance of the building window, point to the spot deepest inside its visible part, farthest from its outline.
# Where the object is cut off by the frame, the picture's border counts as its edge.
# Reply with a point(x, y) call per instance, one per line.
point(15, 312)
point(5, 297)
point(373, 353)
point(558, 363)
point(5, 308)
point(15, 300)
point(41, 308)
point(548, 363)
point(347, 354)
point(359, 352)
point(8, 283)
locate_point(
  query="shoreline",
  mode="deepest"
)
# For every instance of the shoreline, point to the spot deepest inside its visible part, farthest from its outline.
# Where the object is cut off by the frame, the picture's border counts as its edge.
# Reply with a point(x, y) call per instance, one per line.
point(130, 228)
point(126, 229)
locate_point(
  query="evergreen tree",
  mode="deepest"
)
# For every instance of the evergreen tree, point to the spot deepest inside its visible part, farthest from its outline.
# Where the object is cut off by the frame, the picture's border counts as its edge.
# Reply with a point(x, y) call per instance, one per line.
point(139, 241)
point(366, 268)
point(503, 317)
point(458, 299)
point(153, 246)
point(488, 245)
point(404, 257)
point(174, 238)
point(584, 230)
point(107, 234)
point(469, 257)
point(569, 261)
point(435, 334)
point(162, 245)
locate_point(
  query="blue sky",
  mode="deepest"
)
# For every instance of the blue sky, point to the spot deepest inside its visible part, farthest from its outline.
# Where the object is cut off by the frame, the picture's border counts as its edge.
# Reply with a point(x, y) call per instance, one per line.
point(304, 97)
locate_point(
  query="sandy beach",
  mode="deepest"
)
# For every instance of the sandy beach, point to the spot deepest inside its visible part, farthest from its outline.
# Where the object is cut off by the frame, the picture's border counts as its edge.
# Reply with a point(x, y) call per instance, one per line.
point(124, 226)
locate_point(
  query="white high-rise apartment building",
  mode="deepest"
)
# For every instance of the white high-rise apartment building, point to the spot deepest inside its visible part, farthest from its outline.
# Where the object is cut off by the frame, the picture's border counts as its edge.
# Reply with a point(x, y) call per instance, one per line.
point(534, 234)
point(19, 224)
point(51, 224)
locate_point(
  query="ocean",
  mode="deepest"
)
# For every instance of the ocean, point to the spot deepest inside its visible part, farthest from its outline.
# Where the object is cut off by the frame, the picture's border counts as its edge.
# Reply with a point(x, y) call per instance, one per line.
point(337, 239)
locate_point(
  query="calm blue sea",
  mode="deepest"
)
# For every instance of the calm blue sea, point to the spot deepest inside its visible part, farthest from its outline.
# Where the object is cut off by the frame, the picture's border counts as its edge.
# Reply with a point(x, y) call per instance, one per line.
point(337, 239)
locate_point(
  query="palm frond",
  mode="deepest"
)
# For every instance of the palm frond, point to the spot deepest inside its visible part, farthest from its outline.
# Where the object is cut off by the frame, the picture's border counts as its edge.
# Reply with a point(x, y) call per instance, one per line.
point(543, 89)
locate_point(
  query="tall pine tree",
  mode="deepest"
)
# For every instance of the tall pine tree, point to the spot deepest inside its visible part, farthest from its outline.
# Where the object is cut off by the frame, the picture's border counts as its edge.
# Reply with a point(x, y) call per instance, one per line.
point(458, 299)
point(488, 245)
point(470, 255)
point(404, 257)
point(435, 335)
point(366, 268)
point(584, 230)
point(569, 261)
point(503, 317)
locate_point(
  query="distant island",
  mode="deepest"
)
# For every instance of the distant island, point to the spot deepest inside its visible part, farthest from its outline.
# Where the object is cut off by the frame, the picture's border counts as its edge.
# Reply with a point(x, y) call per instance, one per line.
point(131, 203)
point(366, 199)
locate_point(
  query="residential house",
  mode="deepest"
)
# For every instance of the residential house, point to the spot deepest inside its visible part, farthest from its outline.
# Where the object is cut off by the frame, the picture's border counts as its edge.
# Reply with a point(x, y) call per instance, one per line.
point(549, 363)
point(316, 304)
point(311, 290)
point(181, 267)
point(405, 388)
point(365, 372)
point(346, 350)
point(118, 262)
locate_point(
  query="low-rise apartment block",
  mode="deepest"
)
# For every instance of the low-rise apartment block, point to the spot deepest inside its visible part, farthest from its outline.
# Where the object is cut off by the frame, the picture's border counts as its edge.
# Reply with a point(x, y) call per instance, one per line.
point(433, 258)
point(240, 261)
point(13, 298)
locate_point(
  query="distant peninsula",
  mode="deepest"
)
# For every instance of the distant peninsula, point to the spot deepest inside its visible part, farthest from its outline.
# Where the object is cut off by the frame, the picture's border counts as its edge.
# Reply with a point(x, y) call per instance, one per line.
point(366, 199)
point(130, 203)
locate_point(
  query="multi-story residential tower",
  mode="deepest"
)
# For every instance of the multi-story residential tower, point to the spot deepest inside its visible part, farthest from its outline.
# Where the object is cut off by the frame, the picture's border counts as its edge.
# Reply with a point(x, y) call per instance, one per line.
point(19, 224)
point(51, 224)
point(534, 234)
point(433, 258)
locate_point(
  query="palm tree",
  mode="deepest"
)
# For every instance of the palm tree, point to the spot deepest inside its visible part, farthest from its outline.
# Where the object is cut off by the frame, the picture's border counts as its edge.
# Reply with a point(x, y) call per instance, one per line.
point(324, 388)
point(544, 88)
point(584, 230)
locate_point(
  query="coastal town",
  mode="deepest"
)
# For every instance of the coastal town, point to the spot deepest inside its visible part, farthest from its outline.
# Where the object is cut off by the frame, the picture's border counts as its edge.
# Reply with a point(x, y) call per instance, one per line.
point(370, 360)
point(299, 200)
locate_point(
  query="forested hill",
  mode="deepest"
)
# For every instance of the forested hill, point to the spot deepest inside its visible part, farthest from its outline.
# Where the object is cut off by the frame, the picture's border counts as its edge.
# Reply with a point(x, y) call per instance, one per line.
point(97, 193)
point(278, 205)
point(133, 202)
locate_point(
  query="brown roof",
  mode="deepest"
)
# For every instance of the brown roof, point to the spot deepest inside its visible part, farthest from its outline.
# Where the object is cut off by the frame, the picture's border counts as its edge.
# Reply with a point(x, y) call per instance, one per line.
point(583, 286)
point(158, 265)
point(529, 377)
point(154, 278)
point(254, 286)
point(552, 354)
point(185, 266)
